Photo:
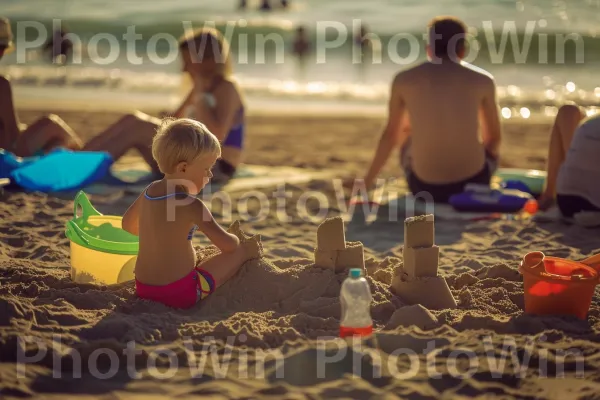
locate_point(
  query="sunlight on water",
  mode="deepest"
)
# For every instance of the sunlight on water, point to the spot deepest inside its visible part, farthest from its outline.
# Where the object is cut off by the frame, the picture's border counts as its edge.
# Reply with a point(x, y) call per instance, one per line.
point(525, 90)
point(550, 111)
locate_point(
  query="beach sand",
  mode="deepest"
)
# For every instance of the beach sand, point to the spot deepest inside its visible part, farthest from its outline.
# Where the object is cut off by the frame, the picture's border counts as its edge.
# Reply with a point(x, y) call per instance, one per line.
point(270, 332)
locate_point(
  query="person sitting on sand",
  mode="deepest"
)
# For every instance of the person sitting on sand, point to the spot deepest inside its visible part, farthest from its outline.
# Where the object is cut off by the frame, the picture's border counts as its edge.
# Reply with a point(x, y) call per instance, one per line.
point(43, 134)
point(165, 271)
point(214, 99)
point(573, 169)
point(435, 111)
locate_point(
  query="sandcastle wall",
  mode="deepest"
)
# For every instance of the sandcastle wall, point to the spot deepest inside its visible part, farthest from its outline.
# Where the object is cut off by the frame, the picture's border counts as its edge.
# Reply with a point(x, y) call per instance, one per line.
point(332, 249)
point(417, 282)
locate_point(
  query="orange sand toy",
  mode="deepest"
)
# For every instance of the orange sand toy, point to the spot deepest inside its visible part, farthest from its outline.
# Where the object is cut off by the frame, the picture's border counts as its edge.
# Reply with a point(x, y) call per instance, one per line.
point(558, 286)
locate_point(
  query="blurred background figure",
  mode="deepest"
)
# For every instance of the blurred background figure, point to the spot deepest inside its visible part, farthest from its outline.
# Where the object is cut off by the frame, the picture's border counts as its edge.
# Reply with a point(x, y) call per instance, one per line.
point(59, 47)
point(301, 43)
point(265, 6)
point(361, 39)
point(285, 3)
point(6, 37)
point(243, 4)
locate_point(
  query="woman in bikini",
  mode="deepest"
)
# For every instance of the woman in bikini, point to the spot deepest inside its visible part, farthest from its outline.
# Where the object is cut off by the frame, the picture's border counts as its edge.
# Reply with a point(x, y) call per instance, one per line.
point(214, 100)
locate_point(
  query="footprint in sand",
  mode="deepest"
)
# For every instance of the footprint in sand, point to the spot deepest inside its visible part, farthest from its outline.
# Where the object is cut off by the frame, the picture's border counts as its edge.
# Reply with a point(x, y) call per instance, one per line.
point(54, 204)
point(14, 241)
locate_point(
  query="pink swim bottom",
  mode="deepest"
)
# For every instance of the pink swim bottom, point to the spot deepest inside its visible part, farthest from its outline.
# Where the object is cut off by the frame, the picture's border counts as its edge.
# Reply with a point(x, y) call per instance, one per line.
point(183, 293)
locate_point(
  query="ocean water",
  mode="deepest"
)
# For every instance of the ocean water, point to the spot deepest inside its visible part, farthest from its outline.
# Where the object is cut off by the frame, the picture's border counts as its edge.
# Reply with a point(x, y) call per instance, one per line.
point(542, 52)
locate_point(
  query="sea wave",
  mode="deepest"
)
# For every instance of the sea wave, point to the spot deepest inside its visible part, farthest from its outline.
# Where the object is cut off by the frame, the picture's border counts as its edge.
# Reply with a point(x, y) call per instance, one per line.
point(116, 80)
point(498, 41)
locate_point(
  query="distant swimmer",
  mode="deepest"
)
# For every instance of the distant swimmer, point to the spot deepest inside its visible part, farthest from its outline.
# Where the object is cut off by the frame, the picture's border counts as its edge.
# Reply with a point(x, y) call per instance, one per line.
point(361, 39)
point(265, 6)
point(301, 43)
point(59, 47)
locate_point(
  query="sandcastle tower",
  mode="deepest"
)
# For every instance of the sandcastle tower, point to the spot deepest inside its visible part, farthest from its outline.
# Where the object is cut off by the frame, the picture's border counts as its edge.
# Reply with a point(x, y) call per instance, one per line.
point(332, 249)
point(418, 281)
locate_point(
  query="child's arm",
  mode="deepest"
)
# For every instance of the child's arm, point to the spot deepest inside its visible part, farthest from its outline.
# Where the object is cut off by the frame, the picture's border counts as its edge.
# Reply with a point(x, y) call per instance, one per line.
point(131, 218)
point(225, 241)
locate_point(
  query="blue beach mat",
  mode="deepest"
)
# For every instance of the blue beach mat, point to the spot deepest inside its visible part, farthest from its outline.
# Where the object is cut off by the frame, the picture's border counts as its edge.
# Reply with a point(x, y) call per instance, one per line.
point(60, 170)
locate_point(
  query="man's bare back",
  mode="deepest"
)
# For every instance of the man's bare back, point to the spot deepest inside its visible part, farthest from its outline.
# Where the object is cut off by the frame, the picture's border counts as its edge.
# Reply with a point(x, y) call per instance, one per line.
point(445, 104)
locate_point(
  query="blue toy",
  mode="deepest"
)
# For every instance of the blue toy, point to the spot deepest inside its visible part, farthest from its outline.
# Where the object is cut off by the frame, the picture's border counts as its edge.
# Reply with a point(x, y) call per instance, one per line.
point(481, 198)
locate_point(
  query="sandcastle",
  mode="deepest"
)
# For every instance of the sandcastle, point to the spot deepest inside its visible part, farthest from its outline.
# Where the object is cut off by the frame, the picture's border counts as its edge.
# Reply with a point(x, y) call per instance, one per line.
point(332, 249)
point(418, 281)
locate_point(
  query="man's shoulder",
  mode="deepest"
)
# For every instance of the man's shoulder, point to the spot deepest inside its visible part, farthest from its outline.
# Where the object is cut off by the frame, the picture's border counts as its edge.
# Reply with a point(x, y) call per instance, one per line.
point(410, 72)
point(478, 71)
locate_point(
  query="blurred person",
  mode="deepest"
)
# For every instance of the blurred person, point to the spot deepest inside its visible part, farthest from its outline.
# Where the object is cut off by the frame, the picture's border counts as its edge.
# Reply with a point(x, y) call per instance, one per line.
point(573, 169)
point(44, 134)
point(435, 112)
point(214, 100)
point(265, 6)
point(59, 47)
point(301, 42)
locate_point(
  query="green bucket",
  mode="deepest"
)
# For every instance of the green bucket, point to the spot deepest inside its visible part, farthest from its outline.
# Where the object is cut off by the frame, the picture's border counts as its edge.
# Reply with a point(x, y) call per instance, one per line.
point(100, 248)
point(532, 178)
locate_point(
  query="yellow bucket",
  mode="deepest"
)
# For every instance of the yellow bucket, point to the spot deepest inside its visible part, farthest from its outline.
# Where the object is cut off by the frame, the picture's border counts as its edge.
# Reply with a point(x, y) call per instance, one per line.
point(101, 251)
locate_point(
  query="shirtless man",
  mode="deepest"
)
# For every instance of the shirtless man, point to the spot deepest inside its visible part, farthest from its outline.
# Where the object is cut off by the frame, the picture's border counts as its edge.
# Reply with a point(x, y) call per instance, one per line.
point(435, 113)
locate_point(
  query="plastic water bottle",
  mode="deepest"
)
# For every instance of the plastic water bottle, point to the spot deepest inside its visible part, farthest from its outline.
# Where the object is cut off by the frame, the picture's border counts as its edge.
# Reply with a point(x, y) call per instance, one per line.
point(355, 298)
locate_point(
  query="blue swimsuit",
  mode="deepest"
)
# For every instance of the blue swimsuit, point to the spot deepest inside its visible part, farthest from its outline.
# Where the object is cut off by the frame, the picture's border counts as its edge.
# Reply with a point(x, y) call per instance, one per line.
point(194, 228)
point(235, 137)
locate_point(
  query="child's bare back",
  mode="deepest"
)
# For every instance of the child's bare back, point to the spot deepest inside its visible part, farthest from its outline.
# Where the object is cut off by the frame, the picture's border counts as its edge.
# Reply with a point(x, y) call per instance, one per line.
point(168, 222)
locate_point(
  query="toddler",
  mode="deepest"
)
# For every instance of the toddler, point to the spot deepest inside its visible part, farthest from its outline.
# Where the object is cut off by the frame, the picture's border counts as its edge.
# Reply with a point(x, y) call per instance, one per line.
point(166, 215)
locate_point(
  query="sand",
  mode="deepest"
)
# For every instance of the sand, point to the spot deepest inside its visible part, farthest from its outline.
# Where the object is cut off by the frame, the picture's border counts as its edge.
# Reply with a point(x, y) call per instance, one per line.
point(270, 331)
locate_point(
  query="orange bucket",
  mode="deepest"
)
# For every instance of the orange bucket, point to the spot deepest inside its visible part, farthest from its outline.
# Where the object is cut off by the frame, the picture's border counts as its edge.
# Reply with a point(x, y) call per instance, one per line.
point(558, 286)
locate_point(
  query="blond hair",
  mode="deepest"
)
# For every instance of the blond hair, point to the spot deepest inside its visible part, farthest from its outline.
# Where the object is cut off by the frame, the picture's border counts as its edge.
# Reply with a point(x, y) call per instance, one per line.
point(208, 44)
point(182, 140)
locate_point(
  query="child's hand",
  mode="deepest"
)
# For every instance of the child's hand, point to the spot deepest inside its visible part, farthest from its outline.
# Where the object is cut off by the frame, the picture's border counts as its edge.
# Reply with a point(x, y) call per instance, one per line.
point(251, 244)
